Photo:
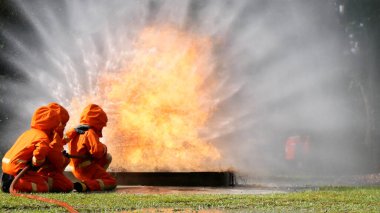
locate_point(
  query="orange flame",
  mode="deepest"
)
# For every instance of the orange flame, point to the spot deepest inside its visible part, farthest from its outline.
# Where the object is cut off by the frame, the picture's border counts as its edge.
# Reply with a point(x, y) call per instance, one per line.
point(159, 102)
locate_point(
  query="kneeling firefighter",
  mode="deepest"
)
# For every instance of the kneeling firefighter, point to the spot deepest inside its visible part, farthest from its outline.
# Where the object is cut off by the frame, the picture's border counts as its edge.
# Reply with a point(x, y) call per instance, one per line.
point(56, 162)
point(30, 149)
point(91, 158)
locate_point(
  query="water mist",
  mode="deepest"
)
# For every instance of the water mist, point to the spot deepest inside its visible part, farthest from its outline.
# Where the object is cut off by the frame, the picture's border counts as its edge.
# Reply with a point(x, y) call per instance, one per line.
point(279, 65)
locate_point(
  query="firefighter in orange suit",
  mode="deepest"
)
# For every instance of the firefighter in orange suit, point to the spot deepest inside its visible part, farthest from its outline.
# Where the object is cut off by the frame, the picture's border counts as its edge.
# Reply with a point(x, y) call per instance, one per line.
point(31, 148)
point(90, 158)
point(56, 161)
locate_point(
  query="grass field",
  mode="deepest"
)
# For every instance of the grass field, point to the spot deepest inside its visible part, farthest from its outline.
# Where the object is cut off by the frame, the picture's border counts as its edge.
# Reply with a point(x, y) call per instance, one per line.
point(328, 199)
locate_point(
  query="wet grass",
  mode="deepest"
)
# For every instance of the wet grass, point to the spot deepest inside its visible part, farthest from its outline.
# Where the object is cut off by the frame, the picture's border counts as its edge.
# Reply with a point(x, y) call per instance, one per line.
point(326, 199)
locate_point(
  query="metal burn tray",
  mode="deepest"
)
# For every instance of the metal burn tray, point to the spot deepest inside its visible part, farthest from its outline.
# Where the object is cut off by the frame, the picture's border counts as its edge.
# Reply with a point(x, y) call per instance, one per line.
point(212, 179)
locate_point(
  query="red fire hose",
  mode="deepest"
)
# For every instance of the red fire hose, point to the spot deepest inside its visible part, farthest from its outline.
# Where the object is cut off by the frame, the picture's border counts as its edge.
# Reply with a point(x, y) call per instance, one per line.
point(35, 197)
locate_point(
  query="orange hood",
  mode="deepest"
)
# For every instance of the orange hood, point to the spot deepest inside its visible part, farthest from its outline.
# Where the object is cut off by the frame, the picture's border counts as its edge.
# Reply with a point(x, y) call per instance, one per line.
point(45, 119)
point(63, 114)
point(94, 116)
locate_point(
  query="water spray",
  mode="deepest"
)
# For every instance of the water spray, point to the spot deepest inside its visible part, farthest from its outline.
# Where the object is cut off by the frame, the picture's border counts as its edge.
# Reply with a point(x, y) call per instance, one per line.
point(278, 66)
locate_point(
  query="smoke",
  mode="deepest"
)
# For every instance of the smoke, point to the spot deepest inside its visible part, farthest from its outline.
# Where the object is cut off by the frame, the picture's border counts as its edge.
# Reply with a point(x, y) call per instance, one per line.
point(282, 68)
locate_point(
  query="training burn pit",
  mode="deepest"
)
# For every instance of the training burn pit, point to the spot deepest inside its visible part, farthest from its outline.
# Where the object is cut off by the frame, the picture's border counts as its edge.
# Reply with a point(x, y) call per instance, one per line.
point(183, 179)
point(214, 179)
point(159, 97)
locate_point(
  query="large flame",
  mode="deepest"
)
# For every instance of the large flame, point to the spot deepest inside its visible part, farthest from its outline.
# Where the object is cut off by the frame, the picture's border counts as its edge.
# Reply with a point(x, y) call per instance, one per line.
point(159, 102)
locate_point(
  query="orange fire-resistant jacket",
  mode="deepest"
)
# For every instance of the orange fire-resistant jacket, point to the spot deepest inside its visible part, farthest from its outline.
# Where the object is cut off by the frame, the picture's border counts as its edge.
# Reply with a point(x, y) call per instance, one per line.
point(88, 144)
point(32, 145)
point(55, 158)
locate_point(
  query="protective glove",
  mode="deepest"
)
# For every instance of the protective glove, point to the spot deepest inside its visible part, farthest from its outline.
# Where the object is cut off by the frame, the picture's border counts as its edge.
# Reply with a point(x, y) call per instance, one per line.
point(64, 153)
point(33, 167)
point(81, 128)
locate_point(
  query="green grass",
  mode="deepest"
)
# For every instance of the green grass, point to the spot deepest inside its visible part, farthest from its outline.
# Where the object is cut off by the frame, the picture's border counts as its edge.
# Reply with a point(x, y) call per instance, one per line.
point(328, 199)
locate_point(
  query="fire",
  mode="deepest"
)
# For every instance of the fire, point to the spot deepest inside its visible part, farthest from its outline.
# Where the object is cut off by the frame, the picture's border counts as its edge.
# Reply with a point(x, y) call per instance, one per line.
point(159, 102)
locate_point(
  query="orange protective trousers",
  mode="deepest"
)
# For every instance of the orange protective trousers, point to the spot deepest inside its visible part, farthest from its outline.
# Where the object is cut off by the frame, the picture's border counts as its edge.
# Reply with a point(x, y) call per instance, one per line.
point(54, 166)
point(31, 182)
point(56, 180)
point(94, 176)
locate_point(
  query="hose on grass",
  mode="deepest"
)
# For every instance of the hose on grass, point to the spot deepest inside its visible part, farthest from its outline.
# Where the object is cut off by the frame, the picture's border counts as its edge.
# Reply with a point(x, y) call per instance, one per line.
point(36, 197)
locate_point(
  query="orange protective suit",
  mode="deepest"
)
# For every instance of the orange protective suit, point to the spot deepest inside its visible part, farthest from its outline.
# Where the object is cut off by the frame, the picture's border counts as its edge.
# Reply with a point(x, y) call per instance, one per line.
point(56, 162)
point(32, 146)
point(92, 162)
